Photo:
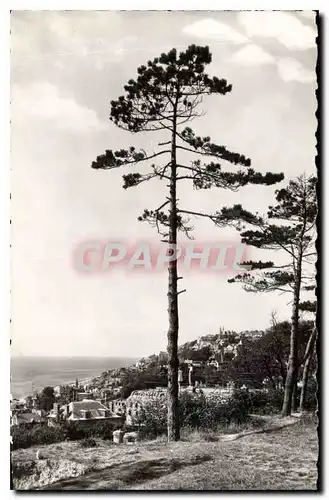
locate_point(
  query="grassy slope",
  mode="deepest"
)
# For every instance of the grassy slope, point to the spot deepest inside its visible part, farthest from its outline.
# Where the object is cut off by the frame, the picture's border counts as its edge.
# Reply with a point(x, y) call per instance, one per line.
point(280, 460)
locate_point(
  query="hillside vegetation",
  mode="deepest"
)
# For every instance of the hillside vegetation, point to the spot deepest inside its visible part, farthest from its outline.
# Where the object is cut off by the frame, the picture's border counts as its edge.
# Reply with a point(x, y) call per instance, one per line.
point(246, 358)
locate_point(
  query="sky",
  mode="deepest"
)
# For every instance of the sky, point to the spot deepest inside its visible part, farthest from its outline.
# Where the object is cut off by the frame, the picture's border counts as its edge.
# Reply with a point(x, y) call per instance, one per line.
point(66, 67)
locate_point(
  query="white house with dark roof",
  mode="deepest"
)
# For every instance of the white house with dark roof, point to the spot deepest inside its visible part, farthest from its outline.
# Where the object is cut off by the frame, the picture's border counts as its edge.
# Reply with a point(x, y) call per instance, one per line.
point(88, 410)
point(27, 418)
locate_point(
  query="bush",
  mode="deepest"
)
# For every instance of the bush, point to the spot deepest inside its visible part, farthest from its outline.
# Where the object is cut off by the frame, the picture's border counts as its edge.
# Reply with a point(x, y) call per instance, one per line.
point(152, 419)
point(266, 402)
point(73, 431)
point(196, 412)
point(46, 435)
point(21, 437)
point(238, 408)
point(103, 430)
point(24, 436)
point(88, 443)
point(202, 412)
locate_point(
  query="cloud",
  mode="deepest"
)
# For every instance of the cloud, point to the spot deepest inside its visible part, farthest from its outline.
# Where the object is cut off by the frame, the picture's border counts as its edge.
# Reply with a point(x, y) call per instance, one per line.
point(209, 28)
point(289, 69)
point(285, 27)
point(42, 34)
point(292, 70)
point(251, 55)
point(42, 101)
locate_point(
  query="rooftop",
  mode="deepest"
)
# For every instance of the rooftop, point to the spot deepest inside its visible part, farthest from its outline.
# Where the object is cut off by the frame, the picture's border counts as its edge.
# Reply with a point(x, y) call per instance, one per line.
point(96, 409)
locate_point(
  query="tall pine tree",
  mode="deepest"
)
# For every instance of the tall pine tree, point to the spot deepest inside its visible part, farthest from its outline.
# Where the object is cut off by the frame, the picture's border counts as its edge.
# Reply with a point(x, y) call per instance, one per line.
point(288, 227)
point(167, 94)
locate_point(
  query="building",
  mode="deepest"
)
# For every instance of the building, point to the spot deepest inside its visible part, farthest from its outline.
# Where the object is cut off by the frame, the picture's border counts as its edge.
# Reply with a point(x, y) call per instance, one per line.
point(86, 411)
point(27, 418)
point(54, 414)
point(81, 396)
point(252, 334)
point(59, 391)
point(105, 393)
point(117, 406)
point(17, 404)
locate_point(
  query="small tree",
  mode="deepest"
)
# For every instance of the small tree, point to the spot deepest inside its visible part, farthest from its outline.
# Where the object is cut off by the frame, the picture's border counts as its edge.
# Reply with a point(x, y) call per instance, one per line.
point(46, 398)
point(293, 233)
point(267, 356)
point(165, 96)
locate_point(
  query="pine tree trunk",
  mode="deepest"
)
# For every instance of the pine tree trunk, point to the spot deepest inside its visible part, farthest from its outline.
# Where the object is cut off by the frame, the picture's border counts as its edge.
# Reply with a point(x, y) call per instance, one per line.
point(289, 388)
point(292, 362)
point(294, 399)
point(173, 411)
point(283, 372)
point(304, 384)
point(306, 370)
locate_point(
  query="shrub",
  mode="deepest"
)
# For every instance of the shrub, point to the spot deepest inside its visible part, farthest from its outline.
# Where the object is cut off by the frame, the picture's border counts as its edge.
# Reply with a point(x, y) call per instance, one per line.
point(21, 437)
point(266, 402)
point(152, 419)
point(46, 435)
point(73, 431)
point(102, 430)
point(196, 412)
point(203, 412)
point(238, 407)
point(24, 436)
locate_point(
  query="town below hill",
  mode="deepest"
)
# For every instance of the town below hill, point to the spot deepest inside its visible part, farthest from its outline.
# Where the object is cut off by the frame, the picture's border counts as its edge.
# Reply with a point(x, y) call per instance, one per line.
point(252, 360)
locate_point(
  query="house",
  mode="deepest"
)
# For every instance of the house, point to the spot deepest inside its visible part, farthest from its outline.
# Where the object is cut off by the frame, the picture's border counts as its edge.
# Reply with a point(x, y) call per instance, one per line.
point(104, 393)
point(196, 364)
point(81, 396)
point(41, 413)
point(89, 411)
point(59, 391)
point(54, 414)
point(26, 418)
point(17, 404)
point(117, 406)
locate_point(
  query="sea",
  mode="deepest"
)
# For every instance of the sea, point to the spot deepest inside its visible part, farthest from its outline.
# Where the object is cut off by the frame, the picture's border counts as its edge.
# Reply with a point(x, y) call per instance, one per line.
point(34, 373)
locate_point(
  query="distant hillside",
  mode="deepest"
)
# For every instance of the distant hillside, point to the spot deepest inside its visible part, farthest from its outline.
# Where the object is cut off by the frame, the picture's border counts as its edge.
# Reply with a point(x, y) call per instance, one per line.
point(208, 353)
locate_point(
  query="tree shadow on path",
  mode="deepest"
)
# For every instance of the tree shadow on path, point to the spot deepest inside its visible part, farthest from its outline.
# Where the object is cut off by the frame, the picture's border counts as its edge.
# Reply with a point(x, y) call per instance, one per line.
point(122, 476)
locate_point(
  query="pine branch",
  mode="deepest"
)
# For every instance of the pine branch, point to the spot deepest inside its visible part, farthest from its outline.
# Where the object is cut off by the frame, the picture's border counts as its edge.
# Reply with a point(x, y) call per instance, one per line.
point(130, 180)
point(205, 147)
point(197, 214)
point(114, 159)
point(256, 284)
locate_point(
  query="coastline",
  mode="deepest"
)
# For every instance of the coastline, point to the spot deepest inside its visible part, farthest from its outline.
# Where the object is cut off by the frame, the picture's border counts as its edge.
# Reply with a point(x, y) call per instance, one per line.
point(33, 374)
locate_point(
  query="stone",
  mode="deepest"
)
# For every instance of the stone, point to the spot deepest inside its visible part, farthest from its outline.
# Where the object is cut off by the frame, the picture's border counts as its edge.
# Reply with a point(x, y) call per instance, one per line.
point(130, 438)
point(118, 436)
